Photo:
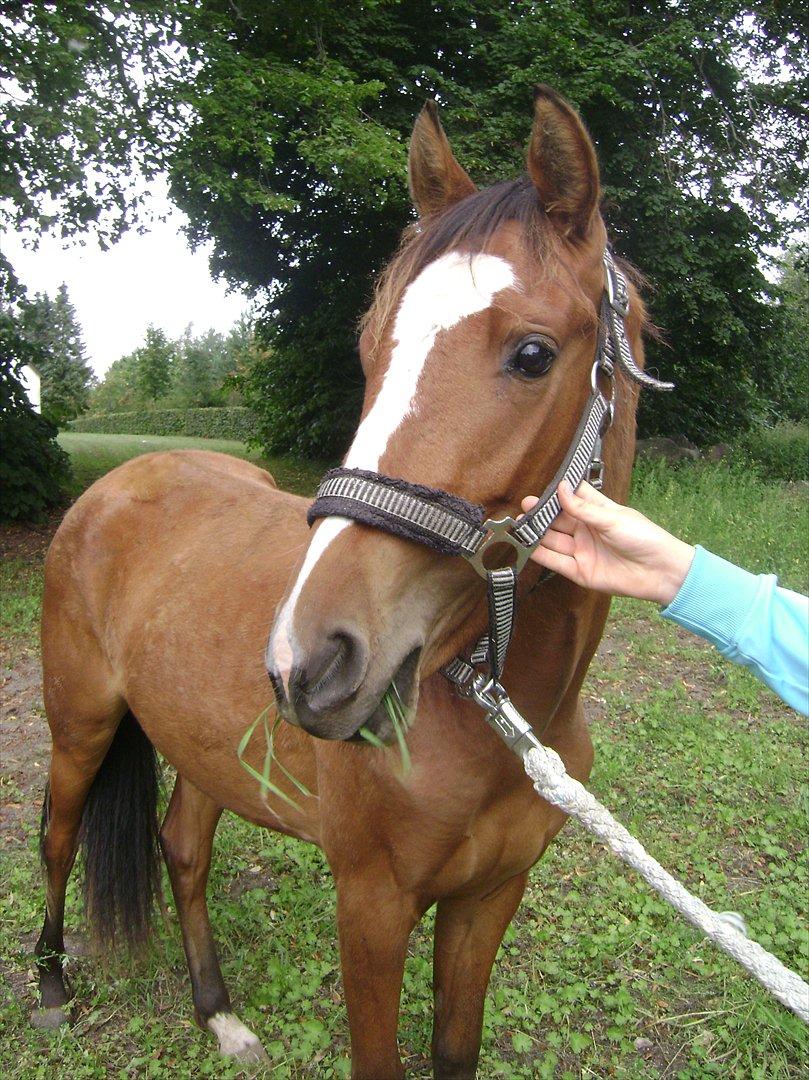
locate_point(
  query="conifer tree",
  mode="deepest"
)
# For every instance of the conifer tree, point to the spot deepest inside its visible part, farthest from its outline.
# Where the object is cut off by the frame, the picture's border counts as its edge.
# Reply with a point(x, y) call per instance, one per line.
point(67, 378)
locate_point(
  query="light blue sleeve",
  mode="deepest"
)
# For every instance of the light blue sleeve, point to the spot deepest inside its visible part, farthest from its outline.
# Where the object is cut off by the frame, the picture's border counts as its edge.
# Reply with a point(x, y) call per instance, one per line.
point(750, 620)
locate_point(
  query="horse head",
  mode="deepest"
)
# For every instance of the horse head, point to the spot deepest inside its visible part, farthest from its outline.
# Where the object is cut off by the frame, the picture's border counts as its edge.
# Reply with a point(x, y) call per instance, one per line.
point(477, 354)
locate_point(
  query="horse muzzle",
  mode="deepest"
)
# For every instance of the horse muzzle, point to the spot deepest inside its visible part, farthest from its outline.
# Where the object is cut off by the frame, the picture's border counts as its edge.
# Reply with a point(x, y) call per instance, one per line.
point(336, 690)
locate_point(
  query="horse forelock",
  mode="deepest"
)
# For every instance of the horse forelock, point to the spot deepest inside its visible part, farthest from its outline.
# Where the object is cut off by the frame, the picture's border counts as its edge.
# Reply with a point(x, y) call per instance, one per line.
point(468, 225)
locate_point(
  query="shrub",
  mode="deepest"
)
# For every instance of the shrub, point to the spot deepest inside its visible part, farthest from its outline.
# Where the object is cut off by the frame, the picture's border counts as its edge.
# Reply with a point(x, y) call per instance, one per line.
point(33, 468)
point(778, 453)
point(235, 422)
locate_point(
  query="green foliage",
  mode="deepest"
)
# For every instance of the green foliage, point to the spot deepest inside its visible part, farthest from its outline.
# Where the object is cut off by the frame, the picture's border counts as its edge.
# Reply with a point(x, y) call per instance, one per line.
point(33, 468)
point(234, 422)
point(778, 453)
point(153, 363)
point(685, 103)
point(117, 391)
point(67, 378)
point(203, 370)
point(790, 393)
point(87, 107)
point(284, 138)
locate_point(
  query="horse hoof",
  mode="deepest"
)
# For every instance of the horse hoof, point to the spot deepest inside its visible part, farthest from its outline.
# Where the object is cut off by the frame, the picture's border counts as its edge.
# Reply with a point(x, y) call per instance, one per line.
point(252, 1054)
point(49, 1019)
point(237, 1041)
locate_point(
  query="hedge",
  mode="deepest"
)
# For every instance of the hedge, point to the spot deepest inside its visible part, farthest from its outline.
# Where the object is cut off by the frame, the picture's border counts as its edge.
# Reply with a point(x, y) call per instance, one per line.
point(233, 422)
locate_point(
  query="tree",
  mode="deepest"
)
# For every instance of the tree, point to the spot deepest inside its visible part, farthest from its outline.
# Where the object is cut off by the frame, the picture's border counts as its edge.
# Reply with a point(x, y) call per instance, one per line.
point(202, 371)
point(67, 377)
point(34, 469)
point(283, 129)
point(89, 107)
point(695, 108)
point(791, 393)
point(195, 379)
point(153, 365)
point(117, 391)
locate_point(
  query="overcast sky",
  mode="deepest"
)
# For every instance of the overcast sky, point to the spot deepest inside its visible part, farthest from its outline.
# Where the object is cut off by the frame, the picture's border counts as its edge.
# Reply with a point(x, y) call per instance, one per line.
point(149, 278)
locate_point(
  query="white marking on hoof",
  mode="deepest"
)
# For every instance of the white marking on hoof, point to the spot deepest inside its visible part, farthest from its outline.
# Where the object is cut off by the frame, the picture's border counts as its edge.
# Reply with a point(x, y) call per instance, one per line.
point(236, 1040)
point(49, 1019)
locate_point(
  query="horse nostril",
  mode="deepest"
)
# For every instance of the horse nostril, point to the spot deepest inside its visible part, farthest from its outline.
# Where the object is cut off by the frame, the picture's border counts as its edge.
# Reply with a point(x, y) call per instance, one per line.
point(332, 673)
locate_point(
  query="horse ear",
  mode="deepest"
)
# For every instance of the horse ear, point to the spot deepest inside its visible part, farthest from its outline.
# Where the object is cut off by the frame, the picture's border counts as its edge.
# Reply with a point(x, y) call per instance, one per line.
point(435, 178)
point(562, 163)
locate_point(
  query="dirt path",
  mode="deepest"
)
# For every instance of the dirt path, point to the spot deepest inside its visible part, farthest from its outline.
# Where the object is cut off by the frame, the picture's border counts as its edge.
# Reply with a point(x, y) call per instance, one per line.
point(24, 747)
point(24, 735)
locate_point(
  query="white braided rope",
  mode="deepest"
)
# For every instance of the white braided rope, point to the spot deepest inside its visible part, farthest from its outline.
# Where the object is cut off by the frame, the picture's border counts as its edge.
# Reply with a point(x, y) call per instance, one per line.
point(551, 781)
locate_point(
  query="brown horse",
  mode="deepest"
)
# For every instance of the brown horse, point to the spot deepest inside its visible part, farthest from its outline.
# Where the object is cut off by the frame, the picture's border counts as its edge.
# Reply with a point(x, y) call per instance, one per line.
point(164, 577)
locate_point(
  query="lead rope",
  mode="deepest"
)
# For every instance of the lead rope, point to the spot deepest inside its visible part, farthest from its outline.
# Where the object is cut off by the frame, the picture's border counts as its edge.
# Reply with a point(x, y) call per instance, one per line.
point(725, 928)
point(552, 782)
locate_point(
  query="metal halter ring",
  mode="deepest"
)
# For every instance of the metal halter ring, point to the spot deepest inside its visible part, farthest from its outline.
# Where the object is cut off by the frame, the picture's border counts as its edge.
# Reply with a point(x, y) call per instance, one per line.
point(499, 532)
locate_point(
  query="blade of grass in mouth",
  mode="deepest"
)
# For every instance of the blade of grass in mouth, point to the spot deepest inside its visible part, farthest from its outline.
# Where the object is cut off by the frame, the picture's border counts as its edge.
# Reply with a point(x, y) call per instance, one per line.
point(394, 707)
point(263, 777)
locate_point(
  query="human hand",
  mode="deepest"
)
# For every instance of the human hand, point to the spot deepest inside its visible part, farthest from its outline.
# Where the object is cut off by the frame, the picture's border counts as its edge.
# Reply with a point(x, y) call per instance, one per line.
point(602, 545)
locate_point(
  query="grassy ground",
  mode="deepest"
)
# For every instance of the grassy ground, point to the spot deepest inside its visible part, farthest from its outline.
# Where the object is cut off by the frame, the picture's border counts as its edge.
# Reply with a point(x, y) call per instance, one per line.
point(93, 455)
point(596, 977)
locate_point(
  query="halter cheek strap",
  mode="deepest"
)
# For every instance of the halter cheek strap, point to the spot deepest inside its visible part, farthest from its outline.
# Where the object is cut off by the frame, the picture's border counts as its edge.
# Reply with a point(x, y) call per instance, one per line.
point(452, 526)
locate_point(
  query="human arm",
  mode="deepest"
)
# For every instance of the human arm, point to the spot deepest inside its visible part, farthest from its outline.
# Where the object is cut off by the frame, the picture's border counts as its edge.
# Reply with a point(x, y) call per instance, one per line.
point(602, 545)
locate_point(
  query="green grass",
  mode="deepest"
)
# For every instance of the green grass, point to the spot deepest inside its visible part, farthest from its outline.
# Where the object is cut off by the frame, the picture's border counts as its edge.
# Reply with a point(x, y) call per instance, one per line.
point(758, 524)
point(93, 455)
point(20, 599)
point(697, 758)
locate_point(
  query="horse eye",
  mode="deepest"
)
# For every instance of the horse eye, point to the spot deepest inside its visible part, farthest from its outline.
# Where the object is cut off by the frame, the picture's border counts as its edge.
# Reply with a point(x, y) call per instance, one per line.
point(532, 358)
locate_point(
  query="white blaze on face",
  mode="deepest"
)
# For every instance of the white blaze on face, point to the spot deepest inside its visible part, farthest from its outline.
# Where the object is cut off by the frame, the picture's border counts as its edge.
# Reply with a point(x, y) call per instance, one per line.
point(450, 289)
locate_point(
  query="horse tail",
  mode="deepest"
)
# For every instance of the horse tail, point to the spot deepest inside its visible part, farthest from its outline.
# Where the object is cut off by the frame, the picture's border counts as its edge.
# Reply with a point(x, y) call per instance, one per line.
point(119, 838)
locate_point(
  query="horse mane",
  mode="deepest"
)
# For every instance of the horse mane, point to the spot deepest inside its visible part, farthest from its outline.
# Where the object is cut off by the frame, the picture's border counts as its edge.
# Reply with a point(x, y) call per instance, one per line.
point(470, 223)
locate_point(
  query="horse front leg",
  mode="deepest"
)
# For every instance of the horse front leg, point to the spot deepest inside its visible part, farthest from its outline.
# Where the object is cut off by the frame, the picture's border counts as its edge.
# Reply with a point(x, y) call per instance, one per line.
point(374, 922)
point(468, 932)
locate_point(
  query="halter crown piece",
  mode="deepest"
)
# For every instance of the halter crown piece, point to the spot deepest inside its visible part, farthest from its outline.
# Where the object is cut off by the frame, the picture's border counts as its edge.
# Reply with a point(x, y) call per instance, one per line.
point(453, 526)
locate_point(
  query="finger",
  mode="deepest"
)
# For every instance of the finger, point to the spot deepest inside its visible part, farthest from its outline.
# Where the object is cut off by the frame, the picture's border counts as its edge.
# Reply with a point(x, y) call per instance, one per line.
point(558, 563)
point(528, 503)
point(590, 506)
point(565, 523)
point(559, 541)
point(593, 495)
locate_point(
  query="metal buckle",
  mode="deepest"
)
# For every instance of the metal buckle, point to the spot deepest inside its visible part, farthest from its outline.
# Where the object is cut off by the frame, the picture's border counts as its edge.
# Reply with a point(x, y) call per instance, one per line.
point(617, 292)
point(503, 716)
point(499, 532)
point(596, 475)
point(594, 370)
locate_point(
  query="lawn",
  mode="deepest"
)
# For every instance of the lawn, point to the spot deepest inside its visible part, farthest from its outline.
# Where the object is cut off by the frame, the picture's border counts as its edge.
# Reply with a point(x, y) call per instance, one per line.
point(596, 977)
point(93, 455)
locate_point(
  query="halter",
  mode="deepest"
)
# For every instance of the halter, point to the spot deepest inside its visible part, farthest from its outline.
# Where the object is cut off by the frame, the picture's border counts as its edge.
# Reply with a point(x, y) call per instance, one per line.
point(453, 526)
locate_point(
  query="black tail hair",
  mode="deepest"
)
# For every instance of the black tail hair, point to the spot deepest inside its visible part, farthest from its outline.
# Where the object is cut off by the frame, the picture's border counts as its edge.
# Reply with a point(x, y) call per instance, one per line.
point(119, 836)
